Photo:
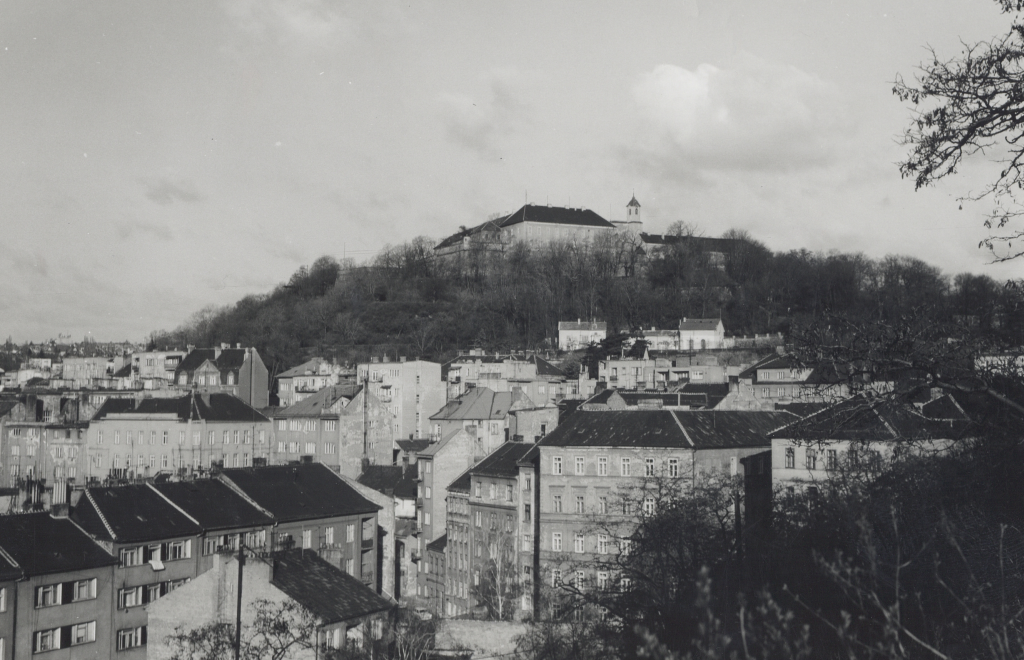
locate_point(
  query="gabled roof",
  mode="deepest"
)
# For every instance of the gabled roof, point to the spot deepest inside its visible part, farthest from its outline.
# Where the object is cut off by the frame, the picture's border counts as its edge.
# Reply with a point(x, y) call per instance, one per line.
point(774, 361)
point(413, 445)
point(502, 461)
point(213, 504)
point(131, 514)
point(314, 405)
point(399, 480)
point(324, 589)
point(545, 368)
point(691, 429)
point(7, 405)
point(688, 324)
point(556, 215)
point(299, 492)
point(215, 407)
point(481, 403)
point(230, 359)
point(456, 238)
point(308, 368)
point(430, 450)
point(867, 418)
point(439, 544)
point(41, 544)
point(462, 482)
point(583, 325)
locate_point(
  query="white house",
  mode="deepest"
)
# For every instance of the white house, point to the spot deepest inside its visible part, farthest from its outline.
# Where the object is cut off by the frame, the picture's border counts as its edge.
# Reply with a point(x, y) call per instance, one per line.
point(573, 335)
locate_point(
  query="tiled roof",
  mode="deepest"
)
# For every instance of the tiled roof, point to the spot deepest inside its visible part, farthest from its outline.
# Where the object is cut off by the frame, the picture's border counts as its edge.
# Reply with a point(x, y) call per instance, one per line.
point(462, 482)
point(131, 514)
point(41, 544)
point(434, 447)
point(413, 445)
point(299, 492)
point(230, 359)
point(502, 461)
point(688, 324)
point(222, 407)
point(875, 418)
point(774, 361)
point(213, 504)
point(401, 481)
point(324, 589)
point(314, 404)
point(697, 429)
point(556, 215)
point(480, 403)
point(438, 545)
point(582, 325)
point(310, 367)
point(801, 409)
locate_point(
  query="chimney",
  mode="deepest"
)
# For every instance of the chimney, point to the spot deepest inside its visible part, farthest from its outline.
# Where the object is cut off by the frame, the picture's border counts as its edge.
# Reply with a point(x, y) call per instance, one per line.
point(238, 345)
point(190, 347)
point(386, 358)
point(224, 345)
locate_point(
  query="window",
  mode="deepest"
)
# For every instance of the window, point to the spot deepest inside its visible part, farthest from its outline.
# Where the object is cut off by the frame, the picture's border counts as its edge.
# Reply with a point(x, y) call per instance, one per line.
point(281, 425)
point(673, 467)
point(790, 457)
point(46, 640)
point(624, 467)
point(426, 518)
point(490, 490)
point(830, 459)
point(427, 466)
point(181, 437)
point(15, 450)
point(766, 391)
point(131, 557)
point(648, 467)
point(526, 515)
point(508, 492)
point(556, 465)
point(48, 595)
point(476, 489)
point(350, 533)
point(330, 425)
point(310, 447)
point(117, 437)
point(131, 637)
point(263, 437)
point(556, 578)
point(578, 542)
point(811, 459)
point(527, 484)
point(602, 544)
point(602, 466)
point(213, 437)
point(602, 580)
point(83, 633)
point(649, 505)
point(580, 466)
point(195, 438)
point(579, 504)
point(3, 600)
point(307, 539)
point(83, 590)
point(627, 508)
point(129, 597)
point(152, 437)
point(602, 504)
point(330, 448)
point(99, 437)
point(556, 501)
point(477, 519)
point(556, 541)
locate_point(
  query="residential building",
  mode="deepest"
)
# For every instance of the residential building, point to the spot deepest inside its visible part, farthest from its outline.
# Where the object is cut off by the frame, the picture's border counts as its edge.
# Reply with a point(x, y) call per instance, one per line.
point(393, 488)
point(439, 464)
point(532, 375)
point(339, 426)
point(782, 379)
point(190, 434)
point(308, 378)
point(542, 225)
point(412, 390)
point(575, 335)
point(345, 608)
point(458, 598)
point(315, 509)
point(56, 589)
point(688, 396)
point(157, 550)
point(660, 372)
point(432, 577)
point(701, 334)
point(237, 371)
point(589, 469)
point(156, 368)
point(493, 418)
point(79, 372)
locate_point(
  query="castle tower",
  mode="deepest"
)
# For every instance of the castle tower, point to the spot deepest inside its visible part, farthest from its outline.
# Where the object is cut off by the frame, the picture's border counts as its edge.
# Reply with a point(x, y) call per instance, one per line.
point(633, 210)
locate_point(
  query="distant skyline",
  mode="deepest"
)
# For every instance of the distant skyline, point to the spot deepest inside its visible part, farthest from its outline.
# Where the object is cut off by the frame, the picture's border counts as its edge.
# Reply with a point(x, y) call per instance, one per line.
point(157, 158)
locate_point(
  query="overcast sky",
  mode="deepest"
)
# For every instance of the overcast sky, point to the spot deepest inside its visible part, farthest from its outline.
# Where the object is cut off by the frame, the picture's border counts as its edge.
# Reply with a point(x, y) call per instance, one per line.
point(158, 157)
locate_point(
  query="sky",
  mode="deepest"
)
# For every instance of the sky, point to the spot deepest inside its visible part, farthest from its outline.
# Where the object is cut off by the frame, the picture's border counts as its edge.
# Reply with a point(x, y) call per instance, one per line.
point(160, 157)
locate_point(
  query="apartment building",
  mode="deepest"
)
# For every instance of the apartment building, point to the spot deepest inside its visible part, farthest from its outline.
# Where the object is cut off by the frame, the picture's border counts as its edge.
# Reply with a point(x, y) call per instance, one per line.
point(237, 371)
point(156, 368)
point(458, 596)
point(306, 379)
point(578, 334)
point(594, 467)
point(493, 418)
point(412, 390)
point(190, 434)
point(782, 379)
point(338, 426)
point(538, 379)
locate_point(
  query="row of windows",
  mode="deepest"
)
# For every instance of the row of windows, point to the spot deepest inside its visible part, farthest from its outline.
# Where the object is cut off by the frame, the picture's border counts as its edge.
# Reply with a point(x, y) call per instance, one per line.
point(493, 491)
point(626, 506)
point(308, 448)
point(493, 521)
point(228, 437)
point(165, 461)
point(625, 466)
point(214, 544)
point(603, 581)
point(146, 593)
point(305, 424)
point(129, 638)
point(579, 543)
point(60, 593)
point(63, 637)
point(829, 458)
point(171, 551)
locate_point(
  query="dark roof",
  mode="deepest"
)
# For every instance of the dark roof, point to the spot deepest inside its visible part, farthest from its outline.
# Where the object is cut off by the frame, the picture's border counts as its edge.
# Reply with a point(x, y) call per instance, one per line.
point(131, 514)
point(633, 202)
point(230, 359)
point(8, 570)
point(545, 368)
point(215, 407)
point(456, 238)
point(699, 324)
point(697, 429)
point(867, 418)
point(480, 403)
point(462, 482)
point(774, 361)
point(801, 409)
point(324, 589)
point(382, 478)
point(123, 372)
point(556, 215)
point(582, 325)
point(299, 492)
point(413, 445)
point(438, 545)
point(42, 544)
point(307, 368)
point(213, 504)
point(700, 396)
point(7, 405)
point(502, 461)
point(315, 404)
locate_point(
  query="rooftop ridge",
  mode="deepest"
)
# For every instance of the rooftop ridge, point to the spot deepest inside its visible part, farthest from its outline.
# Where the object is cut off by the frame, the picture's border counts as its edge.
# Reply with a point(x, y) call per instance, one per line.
point(183, 511)
point(103, 518)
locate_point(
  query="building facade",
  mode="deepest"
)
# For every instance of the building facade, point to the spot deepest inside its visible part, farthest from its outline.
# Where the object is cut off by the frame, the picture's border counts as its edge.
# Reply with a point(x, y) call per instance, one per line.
point(412, 391)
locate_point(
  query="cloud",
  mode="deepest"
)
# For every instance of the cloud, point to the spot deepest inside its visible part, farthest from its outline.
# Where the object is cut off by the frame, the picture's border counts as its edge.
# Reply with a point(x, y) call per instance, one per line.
point(166, 192)
point(28, 261)
point(312, 22)
point(126, 230)
point(478, 124)
point(750, 116)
